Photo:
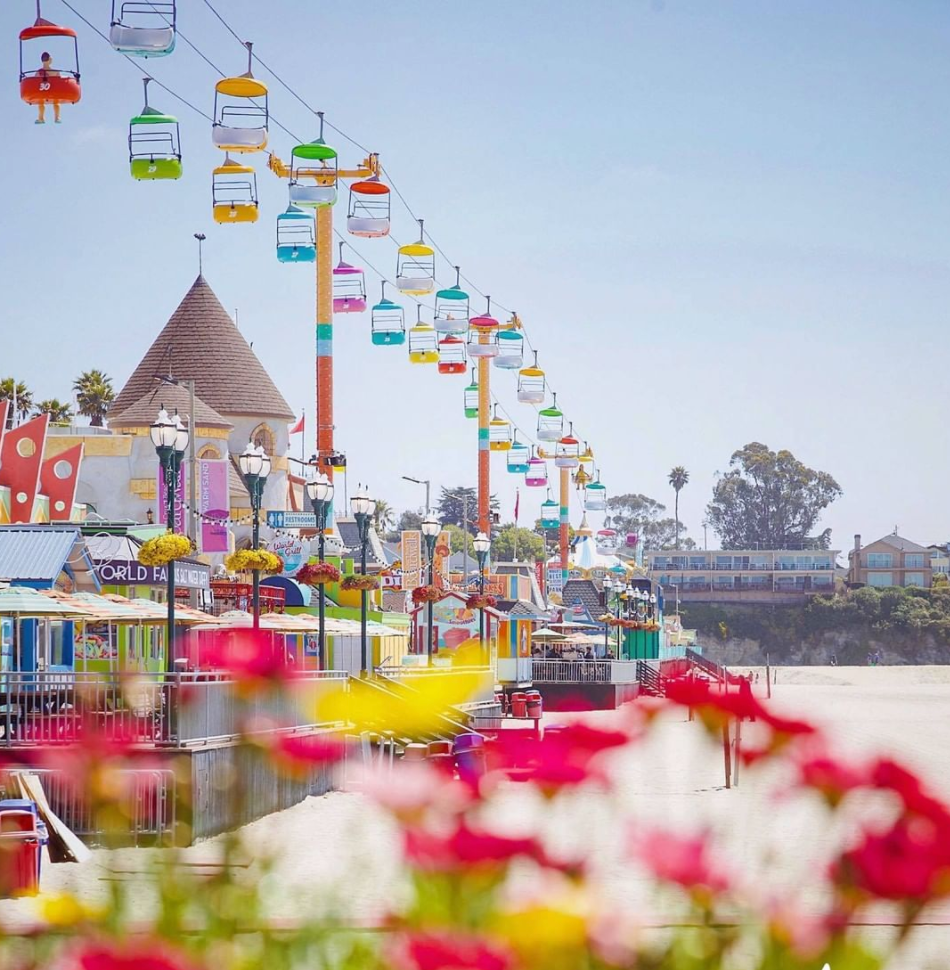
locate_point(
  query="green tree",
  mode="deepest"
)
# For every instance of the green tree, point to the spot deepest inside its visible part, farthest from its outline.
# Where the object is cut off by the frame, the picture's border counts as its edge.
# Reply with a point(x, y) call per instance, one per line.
point(530, 546)
point(58, 412)
point(678, 477)
point(384, 518)
point(408, 521)
point(459, 539)
point(94, 394)
point(461, 503)
point(642, 515)
point(768, 500)
point(13, 390)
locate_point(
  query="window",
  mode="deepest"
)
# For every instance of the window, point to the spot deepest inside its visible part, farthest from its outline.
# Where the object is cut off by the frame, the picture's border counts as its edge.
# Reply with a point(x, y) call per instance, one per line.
point(697, 562)
point(913, 560)
point(880, 579)
point(724, 581)
point(822, 563)
point(880, 560)
point(785, 562)
point(913, 579)
point(263, 436)
point(208, 451)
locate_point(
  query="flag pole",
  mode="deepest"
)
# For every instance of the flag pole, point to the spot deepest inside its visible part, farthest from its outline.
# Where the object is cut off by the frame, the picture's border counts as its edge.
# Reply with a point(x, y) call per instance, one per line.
point(517, 503)
point(303, 434)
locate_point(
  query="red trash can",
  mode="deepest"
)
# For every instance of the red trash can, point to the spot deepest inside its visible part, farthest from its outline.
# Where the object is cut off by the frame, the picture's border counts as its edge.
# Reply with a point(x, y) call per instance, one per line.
point(534, 703)
point(519, 704)
point(19, 854)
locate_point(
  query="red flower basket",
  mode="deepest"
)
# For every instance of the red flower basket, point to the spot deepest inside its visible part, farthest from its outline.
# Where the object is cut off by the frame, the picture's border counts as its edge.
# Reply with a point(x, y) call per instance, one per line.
point(427, 594)
point(480, 601)
point(317, 574)
point(359, 581)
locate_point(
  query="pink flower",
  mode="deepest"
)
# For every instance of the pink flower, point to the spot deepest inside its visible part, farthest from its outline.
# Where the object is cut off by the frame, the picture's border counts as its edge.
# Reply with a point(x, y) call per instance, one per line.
point(832, 779)
point(430, 951)
point(248, 656)
point(466, 847)
point(888, 774)
point(680, 860)
point(297, 753)
point(416, 788)
point(144, 955)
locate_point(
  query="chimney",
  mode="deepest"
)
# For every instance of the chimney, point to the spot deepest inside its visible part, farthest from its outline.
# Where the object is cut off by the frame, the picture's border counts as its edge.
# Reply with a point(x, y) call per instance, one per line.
point(857, 542)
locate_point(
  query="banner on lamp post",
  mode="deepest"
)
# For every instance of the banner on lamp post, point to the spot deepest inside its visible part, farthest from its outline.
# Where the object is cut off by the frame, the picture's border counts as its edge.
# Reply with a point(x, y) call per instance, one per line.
point(411, 560)
point(213, 503)
point(443, 550)
point(179, 524)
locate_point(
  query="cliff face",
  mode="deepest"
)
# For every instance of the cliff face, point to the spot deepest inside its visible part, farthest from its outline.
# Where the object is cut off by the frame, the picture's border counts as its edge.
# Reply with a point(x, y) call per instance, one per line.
point(849, 646)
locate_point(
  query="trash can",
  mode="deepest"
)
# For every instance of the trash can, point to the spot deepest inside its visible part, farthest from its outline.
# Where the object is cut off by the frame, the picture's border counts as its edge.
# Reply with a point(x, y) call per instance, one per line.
point(470, 756)
point(533, 703)
point(519, 704)
point(415, 752)
point(25, 805)
point(20, 847)
point(440, 756)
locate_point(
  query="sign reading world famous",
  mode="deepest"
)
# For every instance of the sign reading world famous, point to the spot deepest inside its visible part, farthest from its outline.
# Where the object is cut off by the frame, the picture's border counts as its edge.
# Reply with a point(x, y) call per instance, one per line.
point(124, 572)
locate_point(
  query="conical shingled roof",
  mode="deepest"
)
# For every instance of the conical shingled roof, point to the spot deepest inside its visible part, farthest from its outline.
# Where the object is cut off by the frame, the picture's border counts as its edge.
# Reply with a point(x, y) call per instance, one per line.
point(200, 342)
point(172, 397)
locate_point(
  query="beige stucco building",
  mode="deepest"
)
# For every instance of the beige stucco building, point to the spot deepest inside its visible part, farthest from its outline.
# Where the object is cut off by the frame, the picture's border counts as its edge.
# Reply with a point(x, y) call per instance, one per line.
point(889, 561)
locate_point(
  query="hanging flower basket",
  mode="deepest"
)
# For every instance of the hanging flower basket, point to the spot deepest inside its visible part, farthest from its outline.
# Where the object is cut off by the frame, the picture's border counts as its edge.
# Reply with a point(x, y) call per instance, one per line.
point(359, 581)
point(481, 601)
point(161, 550)
point(247, 560)
point(427, 594)
point(317, 574)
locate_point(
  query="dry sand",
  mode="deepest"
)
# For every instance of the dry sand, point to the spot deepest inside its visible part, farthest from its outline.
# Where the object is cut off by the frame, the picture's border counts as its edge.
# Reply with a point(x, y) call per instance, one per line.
point(338, 847)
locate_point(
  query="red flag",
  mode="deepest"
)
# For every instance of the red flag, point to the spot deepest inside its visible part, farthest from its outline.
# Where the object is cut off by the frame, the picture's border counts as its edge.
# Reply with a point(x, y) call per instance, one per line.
point(298, 427)
point(517, 503)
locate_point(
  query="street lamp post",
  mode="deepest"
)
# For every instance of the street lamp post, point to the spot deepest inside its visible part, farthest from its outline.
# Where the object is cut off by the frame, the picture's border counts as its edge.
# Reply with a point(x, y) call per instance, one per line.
point(320, 493)
point(170, 439)
point(608, 589)
point(482, 544)
point(363, 508)
point(431, 527)
point(255, 467)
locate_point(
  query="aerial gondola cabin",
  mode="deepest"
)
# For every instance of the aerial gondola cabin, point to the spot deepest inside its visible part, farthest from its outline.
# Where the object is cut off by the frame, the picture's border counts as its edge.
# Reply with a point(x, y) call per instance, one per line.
point(550, 514)
point(349, 287)
point(470, 398)
point(154, 144)
point(586, 457)
point(551, 422)
point(452, 308)
point(296, 237)
point(536, 475)
point(368, 213)
point(234, 193)
point(595, 496)
point(423, 342)
point(567, 451)
point(415, 267)
point(532, 384)
point(143, 28)
point(53, 79)
point(510, 350)
point(499, 433)
point(387, 322)
point(518, 457)
point(322, 171)
point(452, 359)
point(482, 343)
point(240, 120)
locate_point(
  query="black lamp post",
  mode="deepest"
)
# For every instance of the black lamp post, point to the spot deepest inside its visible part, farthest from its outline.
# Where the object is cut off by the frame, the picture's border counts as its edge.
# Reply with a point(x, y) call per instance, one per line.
point(608, 589)
point(482, 544)
point(320, 493)
point(363, 508)
point(255, 467)
point(170, 438)
point(431, 527)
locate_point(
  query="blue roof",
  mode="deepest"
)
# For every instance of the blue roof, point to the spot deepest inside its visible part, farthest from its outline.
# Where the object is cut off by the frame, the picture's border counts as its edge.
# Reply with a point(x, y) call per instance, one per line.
point(40, 555)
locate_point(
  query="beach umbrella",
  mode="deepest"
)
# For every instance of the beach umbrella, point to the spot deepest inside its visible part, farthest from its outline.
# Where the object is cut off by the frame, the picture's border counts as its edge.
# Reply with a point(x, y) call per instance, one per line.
point(547, 636)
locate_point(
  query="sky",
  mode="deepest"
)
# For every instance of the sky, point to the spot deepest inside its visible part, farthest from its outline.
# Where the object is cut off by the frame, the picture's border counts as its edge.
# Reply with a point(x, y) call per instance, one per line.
point(721, 221)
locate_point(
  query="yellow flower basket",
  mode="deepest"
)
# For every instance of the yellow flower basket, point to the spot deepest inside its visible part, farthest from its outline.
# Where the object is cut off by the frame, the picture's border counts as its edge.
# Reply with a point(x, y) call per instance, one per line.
point(161, 550)
point(247, 560)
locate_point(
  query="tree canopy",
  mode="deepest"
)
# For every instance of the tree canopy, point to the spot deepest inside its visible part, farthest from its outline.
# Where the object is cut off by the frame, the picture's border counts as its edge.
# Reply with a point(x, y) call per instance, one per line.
point(455, 502)
point(59, 412)
point(634, 512)
point(94, 394)
point(530, 544)
point(770, 500)
point(10, 390)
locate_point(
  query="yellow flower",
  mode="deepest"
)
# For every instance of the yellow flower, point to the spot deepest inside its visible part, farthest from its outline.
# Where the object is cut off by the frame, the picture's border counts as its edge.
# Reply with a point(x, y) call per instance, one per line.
point(65, 910)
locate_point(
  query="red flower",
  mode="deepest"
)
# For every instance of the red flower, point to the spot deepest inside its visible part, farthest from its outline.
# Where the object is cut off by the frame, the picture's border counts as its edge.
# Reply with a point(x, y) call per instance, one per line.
point(317, 573)
point(427, 951)
point(832, 779)
point(466, 847)
point(297, 753)
point(427, 594)
point(248, 656)
point(151, 955)
point(890, 775)
point(680, 860)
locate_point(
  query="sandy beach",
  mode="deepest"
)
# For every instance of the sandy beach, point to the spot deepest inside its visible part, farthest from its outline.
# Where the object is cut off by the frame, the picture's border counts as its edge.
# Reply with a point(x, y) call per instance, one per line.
point(338, 847)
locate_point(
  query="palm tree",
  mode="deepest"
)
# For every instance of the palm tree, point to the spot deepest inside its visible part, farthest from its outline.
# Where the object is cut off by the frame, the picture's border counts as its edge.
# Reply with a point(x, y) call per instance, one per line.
point(13, 390)
point(383, 518)
point(678, 477)
point(58, 412)
point(94, 394)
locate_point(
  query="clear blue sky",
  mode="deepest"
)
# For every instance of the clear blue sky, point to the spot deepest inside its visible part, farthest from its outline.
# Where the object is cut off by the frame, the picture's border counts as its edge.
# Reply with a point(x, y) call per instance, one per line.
point(721, 222)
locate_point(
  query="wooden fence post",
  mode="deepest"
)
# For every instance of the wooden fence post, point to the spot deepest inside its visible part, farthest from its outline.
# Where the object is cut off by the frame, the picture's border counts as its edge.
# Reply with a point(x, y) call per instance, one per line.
point(726, 754)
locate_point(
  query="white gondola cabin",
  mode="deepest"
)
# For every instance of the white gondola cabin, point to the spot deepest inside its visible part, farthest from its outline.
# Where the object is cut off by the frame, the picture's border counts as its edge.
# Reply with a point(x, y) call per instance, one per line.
point(550, 514)
point(595, 496)
point(296, 239)
point(510, 350)
point(452, 308)
point(368, 213)
point(143, 28)
point(241, 116)
point(551, 422)
point(567, 451)
point(388, 322)
point(499, 433)
point(532, 384)
point(415, 267)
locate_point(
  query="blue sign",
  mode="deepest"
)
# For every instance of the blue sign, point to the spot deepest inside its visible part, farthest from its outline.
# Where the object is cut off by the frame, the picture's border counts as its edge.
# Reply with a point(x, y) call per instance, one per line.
point(291, 520)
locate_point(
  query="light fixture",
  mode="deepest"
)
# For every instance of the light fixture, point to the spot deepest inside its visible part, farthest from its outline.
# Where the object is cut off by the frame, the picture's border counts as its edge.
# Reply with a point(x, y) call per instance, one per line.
point(181, 436)
point(320, 488)
point(362, 504)
point(431, 526)
point(481, 543)
point(163, 431)
point(251, 461)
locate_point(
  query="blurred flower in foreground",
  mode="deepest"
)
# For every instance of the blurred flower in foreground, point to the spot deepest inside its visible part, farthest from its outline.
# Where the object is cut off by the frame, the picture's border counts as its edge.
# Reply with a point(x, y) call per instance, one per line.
point(140, 955)
point(682, 860)
point(251, 658)
point(465, 847)
point(415, 789)
point(443, 951)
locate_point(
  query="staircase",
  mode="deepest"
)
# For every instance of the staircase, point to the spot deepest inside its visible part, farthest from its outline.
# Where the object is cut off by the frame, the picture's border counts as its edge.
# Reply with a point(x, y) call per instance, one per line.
point(648, 677)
